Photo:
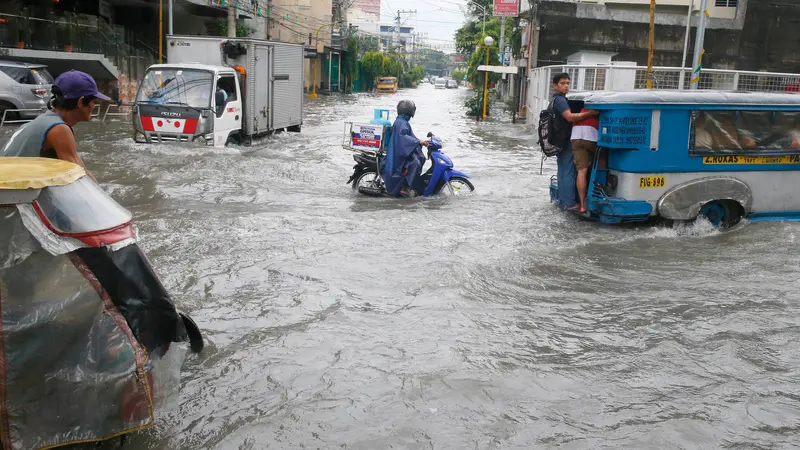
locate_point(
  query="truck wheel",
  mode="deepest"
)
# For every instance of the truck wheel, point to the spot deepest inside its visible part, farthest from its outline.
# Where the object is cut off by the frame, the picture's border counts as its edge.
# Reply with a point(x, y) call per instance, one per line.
point(294, 129)
point(232, 140)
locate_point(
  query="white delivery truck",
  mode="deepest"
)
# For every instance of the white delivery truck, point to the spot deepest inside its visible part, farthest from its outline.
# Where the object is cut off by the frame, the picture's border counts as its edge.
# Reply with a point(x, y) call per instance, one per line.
point(220, 91)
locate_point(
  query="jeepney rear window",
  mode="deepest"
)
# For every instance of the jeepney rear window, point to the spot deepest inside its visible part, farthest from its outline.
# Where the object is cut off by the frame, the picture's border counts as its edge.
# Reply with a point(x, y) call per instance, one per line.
point(81, 207)
point(744, 132)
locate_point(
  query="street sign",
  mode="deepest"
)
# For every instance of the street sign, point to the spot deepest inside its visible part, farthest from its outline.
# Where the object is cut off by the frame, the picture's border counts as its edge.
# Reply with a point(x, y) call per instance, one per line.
point(507, 8)
point(498, 69)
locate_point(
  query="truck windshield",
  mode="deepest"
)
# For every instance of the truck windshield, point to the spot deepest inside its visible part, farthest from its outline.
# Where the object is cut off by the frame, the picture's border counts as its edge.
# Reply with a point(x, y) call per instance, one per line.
point(386, 81)
point(177, 86)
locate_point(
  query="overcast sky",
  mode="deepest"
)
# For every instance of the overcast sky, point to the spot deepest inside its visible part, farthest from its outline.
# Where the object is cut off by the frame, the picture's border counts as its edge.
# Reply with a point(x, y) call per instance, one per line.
point(438, 18)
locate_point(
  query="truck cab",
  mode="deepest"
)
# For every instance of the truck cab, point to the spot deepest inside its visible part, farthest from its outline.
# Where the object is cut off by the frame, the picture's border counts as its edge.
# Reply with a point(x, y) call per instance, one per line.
point(189, 103)
point(219, 91)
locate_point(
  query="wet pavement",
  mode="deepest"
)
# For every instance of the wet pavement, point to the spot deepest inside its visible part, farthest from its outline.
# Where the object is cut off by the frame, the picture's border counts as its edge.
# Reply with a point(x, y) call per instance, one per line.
point(492, 321)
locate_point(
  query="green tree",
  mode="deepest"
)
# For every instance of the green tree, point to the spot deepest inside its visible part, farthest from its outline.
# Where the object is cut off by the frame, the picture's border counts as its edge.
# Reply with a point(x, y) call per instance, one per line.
point(476, 11)
point(479, 58)
point(372, 63)
point(434, 61)
point(219, 27)
point(350, 64)
point(413, 75)
point(367, 44)
point(459, 75)
point(470, 36)
point(467, 37)
point(474, 103)
point(392, 66)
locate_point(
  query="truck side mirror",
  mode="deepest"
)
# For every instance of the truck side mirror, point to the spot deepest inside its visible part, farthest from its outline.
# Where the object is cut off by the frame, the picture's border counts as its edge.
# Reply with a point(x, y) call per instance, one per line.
point(219, 100)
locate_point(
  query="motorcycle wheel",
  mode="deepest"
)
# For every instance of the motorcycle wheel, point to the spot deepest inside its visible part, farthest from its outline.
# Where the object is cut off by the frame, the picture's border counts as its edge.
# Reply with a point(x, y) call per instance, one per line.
point(366, 179)
point(458, 186)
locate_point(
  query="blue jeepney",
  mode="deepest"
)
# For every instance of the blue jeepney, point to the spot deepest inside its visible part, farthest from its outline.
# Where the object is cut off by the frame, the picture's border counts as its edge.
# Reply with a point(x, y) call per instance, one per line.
point(682, 154)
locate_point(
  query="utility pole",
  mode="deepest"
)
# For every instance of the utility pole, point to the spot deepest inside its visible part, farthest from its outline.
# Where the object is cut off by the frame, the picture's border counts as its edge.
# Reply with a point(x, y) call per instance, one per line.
point(268, 18)
point(502, 53)
point(502, 39)
point(397, 21)
point(651, 44)
point(697, 64)
point(231, 19)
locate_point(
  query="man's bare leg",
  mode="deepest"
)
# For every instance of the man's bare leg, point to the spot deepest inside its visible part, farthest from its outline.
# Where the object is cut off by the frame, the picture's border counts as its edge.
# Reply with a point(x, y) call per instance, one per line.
point(583, 187)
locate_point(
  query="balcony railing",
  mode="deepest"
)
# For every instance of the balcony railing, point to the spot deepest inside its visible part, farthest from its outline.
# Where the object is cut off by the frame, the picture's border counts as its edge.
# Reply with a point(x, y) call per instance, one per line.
point(627, 78)
point(76, 33)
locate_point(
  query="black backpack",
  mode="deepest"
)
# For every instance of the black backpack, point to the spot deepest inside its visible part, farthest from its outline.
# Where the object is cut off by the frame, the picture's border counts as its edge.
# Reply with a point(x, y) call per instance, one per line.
point(552, 139)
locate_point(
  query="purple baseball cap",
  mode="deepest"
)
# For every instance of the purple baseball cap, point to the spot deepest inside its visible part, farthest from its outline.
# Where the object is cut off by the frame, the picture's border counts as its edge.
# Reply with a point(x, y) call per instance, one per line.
point(75, 84)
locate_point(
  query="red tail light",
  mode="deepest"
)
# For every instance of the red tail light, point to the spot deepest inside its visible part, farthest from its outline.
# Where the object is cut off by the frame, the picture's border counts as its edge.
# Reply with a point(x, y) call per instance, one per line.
point(41, 93)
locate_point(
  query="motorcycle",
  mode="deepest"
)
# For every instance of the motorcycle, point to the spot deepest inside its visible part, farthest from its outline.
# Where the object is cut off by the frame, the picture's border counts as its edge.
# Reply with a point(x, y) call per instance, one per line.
point(440, 178)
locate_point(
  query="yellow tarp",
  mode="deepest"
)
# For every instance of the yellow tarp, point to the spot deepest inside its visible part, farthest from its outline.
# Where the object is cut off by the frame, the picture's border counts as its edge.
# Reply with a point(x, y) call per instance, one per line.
point(37, 173)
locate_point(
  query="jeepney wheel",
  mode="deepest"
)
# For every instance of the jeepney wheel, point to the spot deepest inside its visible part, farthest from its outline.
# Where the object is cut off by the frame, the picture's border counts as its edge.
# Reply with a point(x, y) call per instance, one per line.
point(722, 213)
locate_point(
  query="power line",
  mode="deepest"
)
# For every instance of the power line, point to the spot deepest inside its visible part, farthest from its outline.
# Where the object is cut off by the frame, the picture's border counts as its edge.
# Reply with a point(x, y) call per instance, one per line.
point(443, 9)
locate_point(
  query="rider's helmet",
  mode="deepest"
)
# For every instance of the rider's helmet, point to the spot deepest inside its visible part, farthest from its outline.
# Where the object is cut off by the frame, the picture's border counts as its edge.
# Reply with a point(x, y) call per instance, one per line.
point(406, 107)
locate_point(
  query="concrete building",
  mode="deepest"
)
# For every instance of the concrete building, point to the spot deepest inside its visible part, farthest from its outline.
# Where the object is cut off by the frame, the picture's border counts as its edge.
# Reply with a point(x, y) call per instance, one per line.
point(746, 35)
point(399, 39)
point(366, 16)
point(119, 39)
point(720, 9)
point(308, 22)
point(622, 26)
point(109, 39)
point(365, 10)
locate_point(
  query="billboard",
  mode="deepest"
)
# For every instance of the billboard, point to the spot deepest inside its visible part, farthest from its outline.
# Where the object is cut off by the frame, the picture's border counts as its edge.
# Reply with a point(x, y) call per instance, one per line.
point(508, 8)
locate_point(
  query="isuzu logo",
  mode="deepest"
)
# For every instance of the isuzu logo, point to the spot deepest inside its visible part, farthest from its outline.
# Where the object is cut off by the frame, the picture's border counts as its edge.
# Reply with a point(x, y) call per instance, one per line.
point(170, 114)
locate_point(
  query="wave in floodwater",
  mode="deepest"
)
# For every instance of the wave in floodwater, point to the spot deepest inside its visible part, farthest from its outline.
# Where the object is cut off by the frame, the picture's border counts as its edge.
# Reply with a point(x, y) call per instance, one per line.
point(492, 321)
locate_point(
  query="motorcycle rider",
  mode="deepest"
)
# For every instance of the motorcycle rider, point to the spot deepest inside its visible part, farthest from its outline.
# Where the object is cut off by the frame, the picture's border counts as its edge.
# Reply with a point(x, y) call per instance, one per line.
point(402, 167)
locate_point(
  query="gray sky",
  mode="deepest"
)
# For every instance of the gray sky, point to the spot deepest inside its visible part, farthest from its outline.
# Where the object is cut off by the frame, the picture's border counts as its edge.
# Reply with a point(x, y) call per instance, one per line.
point(438, 18)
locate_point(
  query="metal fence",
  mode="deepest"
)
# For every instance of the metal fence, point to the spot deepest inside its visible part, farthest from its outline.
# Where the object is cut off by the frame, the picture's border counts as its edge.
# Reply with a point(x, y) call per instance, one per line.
point(629, 77)
point(100, 112)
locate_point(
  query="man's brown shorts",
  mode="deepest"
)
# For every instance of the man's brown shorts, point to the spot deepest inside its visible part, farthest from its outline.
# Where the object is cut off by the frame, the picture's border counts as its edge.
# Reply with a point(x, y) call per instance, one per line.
point(583, 153)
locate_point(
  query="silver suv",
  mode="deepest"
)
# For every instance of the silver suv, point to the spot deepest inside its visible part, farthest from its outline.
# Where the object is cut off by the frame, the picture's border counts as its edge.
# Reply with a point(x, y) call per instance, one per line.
point(24, 86)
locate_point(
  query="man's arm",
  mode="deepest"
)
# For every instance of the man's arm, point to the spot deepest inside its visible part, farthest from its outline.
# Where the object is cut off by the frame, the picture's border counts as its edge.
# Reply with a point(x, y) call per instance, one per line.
point(562, 106)
point(61, 139)
point(572, 117)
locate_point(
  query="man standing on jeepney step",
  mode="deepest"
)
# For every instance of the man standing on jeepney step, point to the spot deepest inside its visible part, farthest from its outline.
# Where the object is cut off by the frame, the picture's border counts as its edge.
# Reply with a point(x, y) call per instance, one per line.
point(567, 175)
point(50, 135)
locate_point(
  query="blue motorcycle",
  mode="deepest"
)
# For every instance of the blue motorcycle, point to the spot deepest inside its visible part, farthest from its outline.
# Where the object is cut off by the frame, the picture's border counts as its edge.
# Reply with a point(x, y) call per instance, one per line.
point(440, 178)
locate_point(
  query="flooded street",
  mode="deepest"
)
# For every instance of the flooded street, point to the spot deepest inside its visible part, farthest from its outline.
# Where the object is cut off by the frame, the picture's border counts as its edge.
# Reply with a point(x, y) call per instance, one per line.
point(335, 320)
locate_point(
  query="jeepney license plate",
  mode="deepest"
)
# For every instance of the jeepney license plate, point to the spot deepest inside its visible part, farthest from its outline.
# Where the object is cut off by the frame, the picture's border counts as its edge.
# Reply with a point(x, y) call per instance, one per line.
point(652, 182)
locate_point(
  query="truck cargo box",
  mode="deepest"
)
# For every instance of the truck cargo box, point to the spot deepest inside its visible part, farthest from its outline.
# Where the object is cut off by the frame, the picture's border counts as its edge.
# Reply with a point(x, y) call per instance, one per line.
point(273, 82)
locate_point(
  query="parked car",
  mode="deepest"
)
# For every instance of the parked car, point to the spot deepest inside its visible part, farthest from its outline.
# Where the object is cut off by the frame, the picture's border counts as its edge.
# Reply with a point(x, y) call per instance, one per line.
point(441, 83)
point(24, 86)
point(452, 84)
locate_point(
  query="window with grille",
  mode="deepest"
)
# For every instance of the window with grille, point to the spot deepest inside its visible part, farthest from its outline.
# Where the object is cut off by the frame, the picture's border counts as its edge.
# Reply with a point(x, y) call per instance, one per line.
point(726, 3)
